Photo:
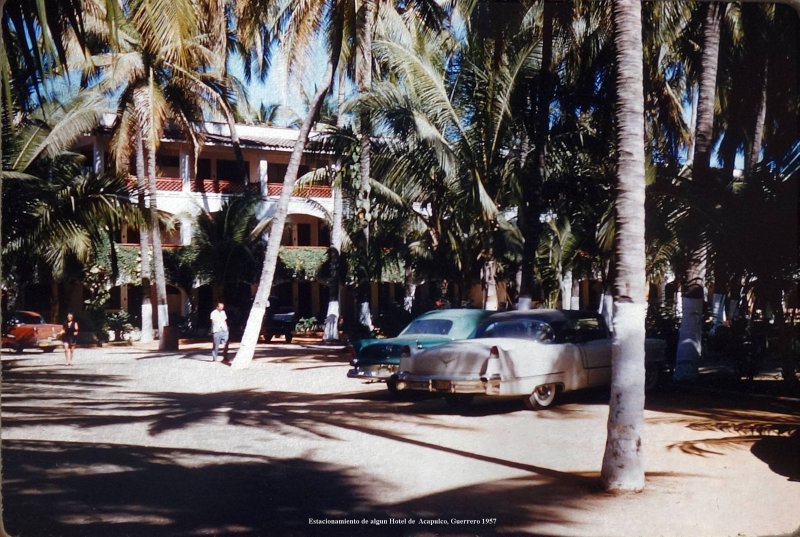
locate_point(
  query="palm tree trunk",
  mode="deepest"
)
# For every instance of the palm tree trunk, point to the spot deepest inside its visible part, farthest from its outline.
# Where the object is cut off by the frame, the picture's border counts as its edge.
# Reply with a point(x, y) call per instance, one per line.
point(367, 15)
point(758, 129)
point(489, 282)
point(689, 348)
point(253, 327)
point(334, 311)
point(623, 468)
point(532, 186)
point(158, 255)
point(704, 131)
point(144, 246)
point(410, 287)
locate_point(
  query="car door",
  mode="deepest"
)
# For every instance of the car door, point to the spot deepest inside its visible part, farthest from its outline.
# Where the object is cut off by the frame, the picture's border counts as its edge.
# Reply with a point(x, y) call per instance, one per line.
point(592, 337)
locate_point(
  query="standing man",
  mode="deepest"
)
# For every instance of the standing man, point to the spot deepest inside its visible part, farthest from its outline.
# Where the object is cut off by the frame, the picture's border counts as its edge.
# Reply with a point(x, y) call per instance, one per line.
point(219, 331)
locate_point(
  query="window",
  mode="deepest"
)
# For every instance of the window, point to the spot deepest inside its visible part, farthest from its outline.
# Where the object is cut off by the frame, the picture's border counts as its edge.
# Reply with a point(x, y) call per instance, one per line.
point(204, 169)
point(324, 235)
point(286, 238)
point(530, 329)
point(429, 326)
point(587, 329)
point(304, 234)
point(275, 172)
point(229, 170)
point(166, 161)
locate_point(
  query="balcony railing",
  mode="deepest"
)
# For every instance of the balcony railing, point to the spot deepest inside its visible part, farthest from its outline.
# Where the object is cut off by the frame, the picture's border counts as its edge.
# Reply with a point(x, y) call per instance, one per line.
point(225, 186)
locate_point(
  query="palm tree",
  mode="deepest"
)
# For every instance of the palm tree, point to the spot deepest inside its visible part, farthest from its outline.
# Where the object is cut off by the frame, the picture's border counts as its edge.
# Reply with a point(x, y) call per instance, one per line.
point(225, 248)
point(64, 213)
point(252, 330)
point(447, 160)
point(693, 285)
point(622, 468)
point(156, 68)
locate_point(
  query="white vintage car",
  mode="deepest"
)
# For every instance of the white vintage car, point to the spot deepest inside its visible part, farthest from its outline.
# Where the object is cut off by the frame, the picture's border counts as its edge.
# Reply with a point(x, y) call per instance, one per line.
point(533, 354)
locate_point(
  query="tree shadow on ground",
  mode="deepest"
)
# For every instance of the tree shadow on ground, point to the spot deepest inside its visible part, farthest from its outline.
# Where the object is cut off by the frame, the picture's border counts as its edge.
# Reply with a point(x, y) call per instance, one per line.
point(69, 489)
point(78, 489)
point(770, 428)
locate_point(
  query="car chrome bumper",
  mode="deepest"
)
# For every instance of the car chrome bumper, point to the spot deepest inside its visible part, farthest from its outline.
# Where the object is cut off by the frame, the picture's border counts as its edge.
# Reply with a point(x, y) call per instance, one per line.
point(48, 343)
point(372, 371)
point(430, 383)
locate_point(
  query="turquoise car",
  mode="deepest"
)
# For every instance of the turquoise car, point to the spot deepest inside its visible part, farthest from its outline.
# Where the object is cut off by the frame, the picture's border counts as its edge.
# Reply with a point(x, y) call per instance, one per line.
point(379, 359)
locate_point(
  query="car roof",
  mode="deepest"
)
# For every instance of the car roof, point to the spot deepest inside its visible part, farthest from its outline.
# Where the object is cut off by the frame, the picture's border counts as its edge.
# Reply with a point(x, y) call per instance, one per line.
point(546, 315)
point(26, 312)
point(449, 313)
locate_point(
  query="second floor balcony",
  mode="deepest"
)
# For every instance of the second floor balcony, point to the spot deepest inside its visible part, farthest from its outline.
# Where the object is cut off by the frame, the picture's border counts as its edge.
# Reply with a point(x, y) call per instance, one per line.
point(228, 187)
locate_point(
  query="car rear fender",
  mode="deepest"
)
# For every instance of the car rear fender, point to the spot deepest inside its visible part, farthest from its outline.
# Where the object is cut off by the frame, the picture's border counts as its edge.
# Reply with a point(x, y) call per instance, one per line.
point(527, 364)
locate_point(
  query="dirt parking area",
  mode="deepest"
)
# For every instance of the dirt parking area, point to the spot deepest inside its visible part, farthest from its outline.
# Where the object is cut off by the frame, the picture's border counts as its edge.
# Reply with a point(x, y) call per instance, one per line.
point(135, 442)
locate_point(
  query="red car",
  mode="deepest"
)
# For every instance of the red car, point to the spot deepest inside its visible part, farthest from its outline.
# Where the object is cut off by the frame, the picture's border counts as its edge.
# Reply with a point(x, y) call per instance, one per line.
point(27, 330)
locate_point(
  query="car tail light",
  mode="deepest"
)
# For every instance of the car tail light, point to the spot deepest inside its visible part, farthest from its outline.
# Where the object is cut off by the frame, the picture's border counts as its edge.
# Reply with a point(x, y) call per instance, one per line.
point(491, 378)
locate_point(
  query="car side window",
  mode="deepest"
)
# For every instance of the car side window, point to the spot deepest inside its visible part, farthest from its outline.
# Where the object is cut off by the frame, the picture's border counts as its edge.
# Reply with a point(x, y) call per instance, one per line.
point(587, 329)
point(429, 326)
point(522, 329)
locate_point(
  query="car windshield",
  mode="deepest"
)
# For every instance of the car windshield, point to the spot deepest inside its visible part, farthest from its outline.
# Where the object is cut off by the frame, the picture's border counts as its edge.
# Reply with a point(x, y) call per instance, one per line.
point(429, 326)
point(27, 318)
point(519, 328)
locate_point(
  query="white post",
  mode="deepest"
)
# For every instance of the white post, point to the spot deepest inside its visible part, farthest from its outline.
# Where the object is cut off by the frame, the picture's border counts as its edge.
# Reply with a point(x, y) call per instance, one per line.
point(566, 291)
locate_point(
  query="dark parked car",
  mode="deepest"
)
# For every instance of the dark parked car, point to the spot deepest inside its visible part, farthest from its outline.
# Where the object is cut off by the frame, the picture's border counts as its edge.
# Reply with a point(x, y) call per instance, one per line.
point(278, 321)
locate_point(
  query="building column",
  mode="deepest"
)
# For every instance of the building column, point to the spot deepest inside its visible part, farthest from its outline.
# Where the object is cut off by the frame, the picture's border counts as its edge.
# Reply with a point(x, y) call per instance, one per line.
point(374, 297)
point(123, 297)
point(98, 155)
point(315, 302)
point(262, 177)
point(186, 169)
point(186, 231)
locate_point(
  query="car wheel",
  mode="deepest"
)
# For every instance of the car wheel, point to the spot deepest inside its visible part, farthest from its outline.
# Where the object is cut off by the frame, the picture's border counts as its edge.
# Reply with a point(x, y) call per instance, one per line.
point(267, 337)
point(459, 400)
point(391, 385)
point(288, 337)
point(18, 349)
point(651, 377)
point(49, 349)
point(542, 396)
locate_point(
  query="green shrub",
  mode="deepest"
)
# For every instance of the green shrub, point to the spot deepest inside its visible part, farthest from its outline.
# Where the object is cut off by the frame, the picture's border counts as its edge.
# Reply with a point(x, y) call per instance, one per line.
point(119, 322)
point(306, 325)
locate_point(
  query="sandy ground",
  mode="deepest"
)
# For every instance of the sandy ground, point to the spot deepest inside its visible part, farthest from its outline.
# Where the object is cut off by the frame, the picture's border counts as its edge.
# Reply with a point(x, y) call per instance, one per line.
point(131, 441)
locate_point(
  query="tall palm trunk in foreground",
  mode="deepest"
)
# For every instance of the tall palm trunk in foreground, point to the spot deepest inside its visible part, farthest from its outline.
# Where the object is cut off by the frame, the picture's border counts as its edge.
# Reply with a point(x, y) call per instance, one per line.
point(622, 462)
point(690, 333)
point(366, 23)
point(332, 317)
point(144, 246)
point(253, 327)
point(158, 255)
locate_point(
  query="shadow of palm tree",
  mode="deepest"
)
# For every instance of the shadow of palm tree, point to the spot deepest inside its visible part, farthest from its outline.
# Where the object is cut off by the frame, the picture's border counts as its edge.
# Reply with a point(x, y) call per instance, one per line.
point(78, 489)
point(73, 488)
point(770, 428)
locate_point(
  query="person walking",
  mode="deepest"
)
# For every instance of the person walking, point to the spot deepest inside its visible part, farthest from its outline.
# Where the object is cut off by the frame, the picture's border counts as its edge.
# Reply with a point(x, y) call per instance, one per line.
point(219, 332)
point(69, 337)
